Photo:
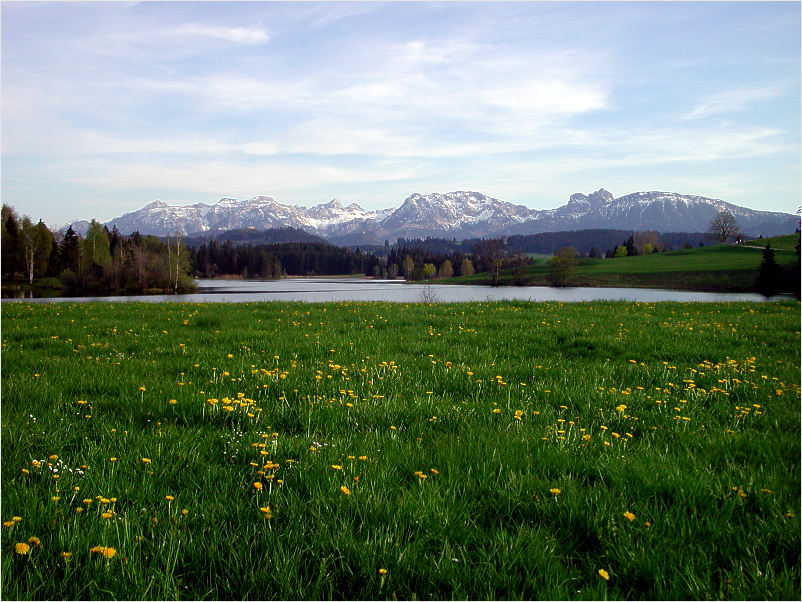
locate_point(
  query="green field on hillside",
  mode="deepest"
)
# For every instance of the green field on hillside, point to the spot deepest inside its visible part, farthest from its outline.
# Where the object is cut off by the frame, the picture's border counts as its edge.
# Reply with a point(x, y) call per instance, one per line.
point(724, 268)
point(498, 450)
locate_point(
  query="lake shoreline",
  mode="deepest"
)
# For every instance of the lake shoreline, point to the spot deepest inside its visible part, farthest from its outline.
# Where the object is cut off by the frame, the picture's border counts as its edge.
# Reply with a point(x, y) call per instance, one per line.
point(327, 289)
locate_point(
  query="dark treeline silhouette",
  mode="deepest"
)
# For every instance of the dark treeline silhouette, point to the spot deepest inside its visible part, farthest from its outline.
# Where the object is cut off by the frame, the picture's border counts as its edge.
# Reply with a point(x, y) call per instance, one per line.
point(253, 236)
point(101, 261)
point(278, 259)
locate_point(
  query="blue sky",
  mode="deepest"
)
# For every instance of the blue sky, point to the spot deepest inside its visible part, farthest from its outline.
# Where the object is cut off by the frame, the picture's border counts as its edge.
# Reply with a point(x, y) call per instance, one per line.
point(109, 106)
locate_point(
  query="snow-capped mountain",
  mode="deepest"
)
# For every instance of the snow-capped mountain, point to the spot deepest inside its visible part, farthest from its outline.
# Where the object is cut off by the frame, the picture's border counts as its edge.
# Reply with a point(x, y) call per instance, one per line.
point(455, 214)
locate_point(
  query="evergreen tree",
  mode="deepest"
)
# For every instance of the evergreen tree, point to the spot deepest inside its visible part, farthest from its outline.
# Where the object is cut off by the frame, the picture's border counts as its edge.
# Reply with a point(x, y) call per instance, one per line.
point(769, 278)
point(70, 251)
point(11, 246)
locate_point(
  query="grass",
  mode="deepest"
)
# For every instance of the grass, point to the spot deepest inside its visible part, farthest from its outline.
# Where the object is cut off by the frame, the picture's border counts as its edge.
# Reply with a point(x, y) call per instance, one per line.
point(500, 450)
point(719, 268)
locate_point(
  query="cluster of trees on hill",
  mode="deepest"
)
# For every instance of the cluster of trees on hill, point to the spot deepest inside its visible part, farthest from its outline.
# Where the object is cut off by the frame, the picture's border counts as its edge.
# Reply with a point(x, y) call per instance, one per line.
point(101, 261)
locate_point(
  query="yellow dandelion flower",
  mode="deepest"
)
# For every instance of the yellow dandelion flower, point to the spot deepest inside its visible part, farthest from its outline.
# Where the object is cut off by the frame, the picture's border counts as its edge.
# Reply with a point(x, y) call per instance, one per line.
point(169, 498)
point(146, 460)
point(257, 486)
point(8, 523)
point(336, 467)
point(16, 519)
point(345, 490)
point(35, 541)
point(106, 515)
point(66, 555)
point(629, 516)
point(604, 574)
point(555, 491)
point(22, 548)
point(382, 571)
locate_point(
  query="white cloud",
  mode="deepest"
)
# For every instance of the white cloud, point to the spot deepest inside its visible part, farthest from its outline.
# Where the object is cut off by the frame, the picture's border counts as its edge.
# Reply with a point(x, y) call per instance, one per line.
point(730, 101)
point(237, 35)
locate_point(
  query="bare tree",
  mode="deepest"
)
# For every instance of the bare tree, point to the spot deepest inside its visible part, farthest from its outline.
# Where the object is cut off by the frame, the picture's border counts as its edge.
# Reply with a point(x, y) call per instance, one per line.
point(724, 227)
point(491, 252)
point(563, 265)
point(30, 245)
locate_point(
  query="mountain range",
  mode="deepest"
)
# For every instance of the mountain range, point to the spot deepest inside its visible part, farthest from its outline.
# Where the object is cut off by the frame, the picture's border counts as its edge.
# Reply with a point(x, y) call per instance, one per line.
point(454, 215)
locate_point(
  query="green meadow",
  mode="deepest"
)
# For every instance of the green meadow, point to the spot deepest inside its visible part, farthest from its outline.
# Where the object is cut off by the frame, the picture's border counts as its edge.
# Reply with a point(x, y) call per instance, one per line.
point(718, 268)
point(498, 450)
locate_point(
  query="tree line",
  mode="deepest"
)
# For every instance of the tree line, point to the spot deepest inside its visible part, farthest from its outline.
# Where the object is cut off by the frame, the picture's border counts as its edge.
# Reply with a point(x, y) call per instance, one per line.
point(102, 260)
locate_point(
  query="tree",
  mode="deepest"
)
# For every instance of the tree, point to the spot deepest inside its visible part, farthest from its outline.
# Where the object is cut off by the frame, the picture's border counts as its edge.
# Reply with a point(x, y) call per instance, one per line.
point(563, 265)
point(409, 266)
point(466, 267)
point(769, 277)
point(620, 251)
point(11, 246)
point(70, 251)
point(723, 227)
point(96, 245)
point(429, 271)
point(29, 238)
point(647, 237)
point(44, 247)
point(491, 252)
point(446, 270)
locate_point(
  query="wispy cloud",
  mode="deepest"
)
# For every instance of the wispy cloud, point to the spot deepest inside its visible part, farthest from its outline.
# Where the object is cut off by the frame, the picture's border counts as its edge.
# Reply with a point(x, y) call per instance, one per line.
point(730, 101)
point(378, 100)
point(236, 35)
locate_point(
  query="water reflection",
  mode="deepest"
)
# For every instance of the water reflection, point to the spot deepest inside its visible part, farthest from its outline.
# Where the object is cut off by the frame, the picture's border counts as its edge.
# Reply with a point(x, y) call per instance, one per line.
point(360, 289)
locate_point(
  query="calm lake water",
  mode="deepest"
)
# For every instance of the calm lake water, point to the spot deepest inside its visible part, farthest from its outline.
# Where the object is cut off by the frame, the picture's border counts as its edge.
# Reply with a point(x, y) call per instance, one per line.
point(361, 289)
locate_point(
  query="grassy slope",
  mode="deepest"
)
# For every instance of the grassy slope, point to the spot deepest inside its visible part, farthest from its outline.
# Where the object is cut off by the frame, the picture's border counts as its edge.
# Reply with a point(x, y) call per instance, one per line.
point(684, 415)
point(714, 268)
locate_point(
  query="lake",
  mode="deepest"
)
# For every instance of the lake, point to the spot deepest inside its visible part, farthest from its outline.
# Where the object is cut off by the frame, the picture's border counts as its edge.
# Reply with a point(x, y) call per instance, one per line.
point(363, 289)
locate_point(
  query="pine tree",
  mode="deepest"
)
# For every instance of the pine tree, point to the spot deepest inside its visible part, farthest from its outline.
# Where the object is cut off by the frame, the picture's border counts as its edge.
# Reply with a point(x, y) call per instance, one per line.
point(769, 278)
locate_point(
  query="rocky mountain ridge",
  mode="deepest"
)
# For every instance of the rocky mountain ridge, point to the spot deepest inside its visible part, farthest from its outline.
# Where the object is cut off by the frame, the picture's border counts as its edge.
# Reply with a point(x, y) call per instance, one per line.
point(460, 214)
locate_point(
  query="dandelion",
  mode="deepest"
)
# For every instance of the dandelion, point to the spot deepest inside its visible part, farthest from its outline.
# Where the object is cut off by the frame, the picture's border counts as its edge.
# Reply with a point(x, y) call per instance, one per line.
point(8, 523)
point(66, 555)
point(629, 516)
point(169, 498)
point(382, 571)
point(146, 460)
point(16, 519)
point(106, 515)
point(555, 491)
point(22, 548)
point(257, 486)
point(604, 574)
point(345, 490)
point(105, 551)
point(336, 467)
point(35, 541)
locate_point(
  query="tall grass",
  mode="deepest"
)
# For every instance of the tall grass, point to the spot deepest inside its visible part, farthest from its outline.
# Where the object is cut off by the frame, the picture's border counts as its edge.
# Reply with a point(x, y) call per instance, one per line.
point(502, 450)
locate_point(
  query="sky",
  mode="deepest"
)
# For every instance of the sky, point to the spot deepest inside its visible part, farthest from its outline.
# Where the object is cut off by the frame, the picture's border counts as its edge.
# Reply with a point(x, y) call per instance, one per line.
point(108, 106)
